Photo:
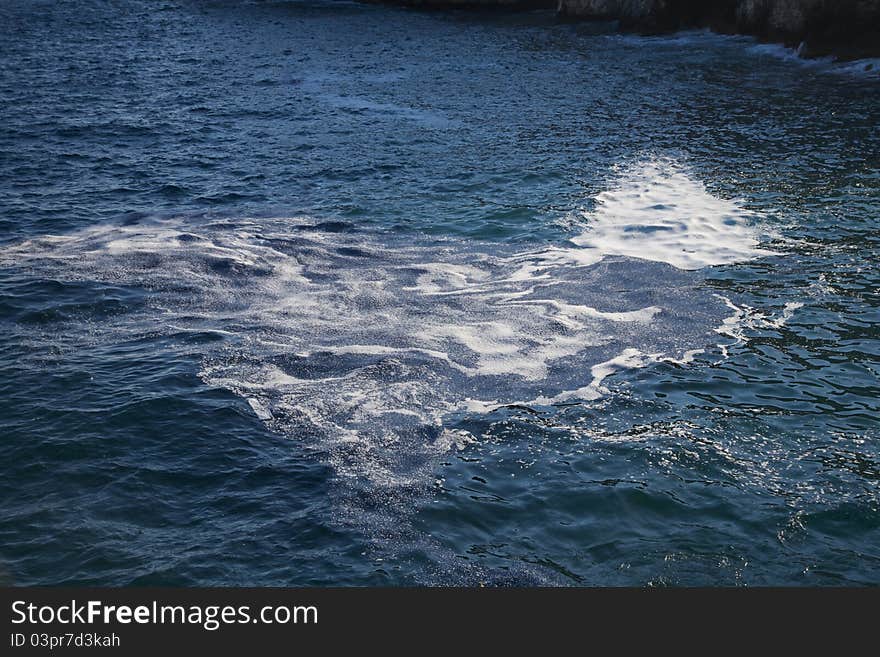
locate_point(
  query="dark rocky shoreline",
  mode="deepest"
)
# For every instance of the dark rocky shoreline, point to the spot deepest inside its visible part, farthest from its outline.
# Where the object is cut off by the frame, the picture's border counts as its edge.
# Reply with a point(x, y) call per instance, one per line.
point(845, 29)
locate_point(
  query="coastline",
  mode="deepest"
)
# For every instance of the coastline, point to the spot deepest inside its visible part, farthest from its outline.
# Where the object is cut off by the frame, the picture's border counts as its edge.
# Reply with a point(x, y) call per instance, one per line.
point(843, 29)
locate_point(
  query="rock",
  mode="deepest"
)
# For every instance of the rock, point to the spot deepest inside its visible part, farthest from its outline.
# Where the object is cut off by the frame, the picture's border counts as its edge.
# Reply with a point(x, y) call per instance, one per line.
point(845, 28)
point(848, 29)
point(640, 15)
point(483, 5)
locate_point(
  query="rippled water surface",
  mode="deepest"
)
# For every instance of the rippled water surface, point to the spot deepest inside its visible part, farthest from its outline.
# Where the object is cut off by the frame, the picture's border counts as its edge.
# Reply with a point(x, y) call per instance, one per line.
point(326, 293)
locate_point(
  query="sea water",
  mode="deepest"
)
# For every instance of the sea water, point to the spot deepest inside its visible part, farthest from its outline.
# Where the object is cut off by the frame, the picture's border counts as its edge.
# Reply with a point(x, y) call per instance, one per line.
point(319, 293)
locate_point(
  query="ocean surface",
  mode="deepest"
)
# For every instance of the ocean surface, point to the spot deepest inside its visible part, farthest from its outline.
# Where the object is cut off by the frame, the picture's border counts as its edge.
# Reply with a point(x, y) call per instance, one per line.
point(319, 293)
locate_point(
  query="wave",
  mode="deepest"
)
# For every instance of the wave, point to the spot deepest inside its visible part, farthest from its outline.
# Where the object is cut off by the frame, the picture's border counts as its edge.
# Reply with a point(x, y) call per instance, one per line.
point(865, 69)
point(860, 68)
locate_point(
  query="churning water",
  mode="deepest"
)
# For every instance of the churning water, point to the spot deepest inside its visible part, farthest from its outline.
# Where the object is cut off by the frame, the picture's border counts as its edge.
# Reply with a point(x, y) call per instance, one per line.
point(321, 293)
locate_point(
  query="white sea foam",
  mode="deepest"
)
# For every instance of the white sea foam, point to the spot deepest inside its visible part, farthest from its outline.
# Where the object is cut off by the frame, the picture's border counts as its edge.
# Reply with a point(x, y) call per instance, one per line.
point(363, 348)
point(859, 68)
point(745, 320)
point(627, 359)
point(656, 211)
point(866, 68)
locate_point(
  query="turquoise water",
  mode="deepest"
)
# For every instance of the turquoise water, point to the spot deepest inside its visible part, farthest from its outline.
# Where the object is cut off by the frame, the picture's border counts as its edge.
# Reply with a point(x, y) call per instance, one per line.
point(323, 293)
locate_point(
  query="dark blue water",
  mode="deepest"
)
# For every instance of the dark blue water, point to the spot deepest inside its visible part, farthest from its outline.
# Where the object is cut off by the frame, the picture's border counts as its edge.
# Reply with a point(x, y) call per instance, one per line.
point(320, 293)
